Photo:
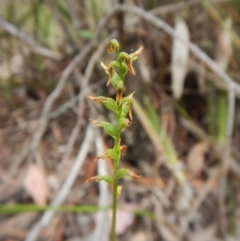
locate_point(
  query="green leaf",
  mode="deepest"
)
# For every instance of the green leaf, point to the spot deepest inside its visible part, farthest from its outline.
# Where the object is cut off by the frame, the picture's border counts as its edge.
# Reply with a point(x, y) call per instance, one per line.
point(106, 178)
point(121, 172)
point(110, 129)
point(124, 109)
point(124, 69)
point(111, 105)
point(122, 123)
point(111, 153)
point(115, 80)
point(86, 34)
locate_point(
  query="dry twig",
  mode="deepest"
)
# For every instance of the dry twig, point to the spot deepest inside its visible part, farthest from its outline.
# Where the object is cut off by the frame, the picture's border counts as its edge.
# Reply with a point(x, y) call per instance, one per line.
point(82, 94)
point(37, 48)
point(199, 200)
point(159, 23)
point(65, 75)
point(64, 191)
point(54, 95)
point(101, 232)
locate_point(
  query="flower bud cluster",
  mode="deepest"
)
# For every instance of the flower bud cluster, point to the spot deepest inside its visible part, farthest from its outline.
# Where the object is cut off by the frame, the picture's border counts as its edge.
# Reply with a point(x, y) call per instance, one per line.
point(121, 107)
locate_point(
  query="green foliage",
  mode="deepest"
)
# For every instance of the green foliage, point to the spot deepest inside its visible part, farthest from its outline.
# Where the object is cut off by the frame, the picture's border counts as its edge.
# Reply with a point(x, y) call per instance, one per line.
point(24, 208)
point(217, 113)
point(152, 119)
point(86, 34)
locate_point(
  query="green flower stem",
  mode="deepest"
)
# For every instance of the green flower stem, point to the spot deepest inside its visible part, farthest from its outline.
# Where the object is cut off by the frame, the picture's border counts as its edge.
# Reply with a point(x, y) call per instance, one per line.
point(115, 186)
point(116, 71)
point(114, 210)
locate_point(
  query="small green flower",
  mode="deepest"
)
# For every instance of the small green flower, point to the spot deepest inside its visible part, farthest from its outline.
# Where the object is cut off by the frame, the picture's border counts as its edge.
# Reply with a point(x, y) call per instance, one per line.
point(109, 103)
point(100, 178)
point(127, 103)
point(108, 127)
point(123, 122)
point(122, 172)
point(119, 92)
point(129, 58)
point(109, 153)
point(113, 45)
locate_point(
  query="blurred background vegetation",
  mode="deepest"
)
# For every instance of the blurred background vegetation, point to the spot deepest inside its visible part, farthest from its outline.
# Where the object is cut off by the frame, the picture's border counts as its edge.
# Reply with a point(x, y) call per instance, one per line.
point(185, 139)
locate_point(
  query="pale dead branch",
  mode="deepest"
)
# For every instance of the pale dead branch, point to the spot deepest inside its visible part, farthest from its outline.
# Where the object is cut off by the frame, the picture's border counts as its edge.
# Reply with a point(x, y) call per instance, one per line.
point(65, 189)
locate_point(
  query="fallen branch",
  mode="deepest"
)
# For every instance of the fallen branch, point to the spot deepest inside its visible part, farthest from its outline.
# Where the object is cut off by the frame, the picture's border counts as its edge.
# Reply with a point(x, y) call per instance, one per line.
point(35, 47)
point(82, 94)
point(64, 191)
point(159, 23)
point(53, 96)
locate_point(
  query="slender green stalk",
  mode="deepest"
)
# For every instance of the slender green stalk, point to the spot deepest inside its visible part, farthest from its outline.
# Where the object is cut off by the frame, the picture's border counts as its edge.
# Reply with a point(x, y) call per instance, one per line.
point(122, 107)
point(114, 209)
point(115, 187)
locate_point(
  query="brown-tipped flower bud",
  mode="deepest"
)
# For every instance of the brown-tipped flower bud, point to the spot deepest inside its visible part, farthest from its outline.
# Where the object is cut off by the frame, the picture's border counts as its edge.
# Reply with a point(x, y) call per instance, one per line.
point(119, 92)
point(109, 153)
point(105, 68)
point(128, 62)
point(110, 74)
point(123, 122)
point(127, 103)
point(132, 174)
point(123, 149)
point(113, 45)
point(105, 178)
point(135, 55)
point(129, 58)
point(121, 172)
point(115, 80)
point(127, 122)
point(124, 109)
point(108, 127)
point(99, 99)
point(130, 105)
point(111, 71)
point(109, 103)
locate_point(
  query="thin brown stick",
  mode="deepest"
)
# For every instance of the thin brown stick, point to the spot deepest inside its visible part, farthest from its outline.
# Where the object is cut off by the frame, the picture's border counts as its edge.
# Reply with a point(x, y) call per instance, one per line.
point(82, 94)
point(199, 200)
point(170, 8)
point(173, 7)
point(159, 23)
point(48, 215)
point(54, 95)
point(37, 48)
point(101, 232)
point(62, 194)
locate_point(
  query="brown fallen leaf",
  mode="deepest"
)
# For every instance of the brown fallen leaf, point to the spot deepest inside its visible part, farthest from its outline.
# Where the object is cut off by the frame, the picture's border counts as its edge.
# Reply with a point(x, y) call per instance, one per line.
point(196, 158)
point(89, 168)
point(35, 184)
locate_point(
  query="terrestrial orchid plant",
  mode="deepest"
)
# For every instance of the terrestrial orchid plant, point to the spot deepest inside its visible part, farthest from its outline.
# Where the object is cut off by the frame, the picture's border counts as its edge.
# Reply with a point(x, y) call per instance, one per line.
point(122, 108)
